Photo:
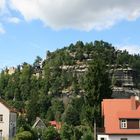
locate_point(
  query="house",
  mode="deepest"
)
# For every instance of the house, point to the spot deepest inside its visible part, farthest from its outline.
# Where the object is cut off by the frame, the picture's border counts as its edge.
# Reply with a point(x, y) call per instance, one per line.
point(55, 124)
point(121, 119)
point(39, 124)
point(8, 118)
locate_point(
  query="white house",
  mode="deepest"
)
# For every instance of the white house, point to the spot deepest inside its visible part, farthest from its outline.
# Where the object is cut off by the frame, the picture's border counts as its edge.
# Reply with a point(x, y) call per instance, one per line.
point(121, 119)
point(8, 118)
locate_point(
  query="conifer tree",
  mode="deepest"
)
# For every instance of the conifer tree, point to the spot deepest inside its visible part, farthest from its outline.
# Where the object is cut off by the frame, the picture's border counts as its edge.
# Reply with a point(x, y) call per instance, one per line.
point(97, 87)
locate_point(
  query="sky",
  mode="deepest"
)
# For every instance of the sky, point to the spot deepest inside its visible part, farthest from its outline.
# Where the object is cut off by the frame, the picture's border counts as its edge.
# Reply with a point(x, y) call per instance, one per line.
point(28, 28)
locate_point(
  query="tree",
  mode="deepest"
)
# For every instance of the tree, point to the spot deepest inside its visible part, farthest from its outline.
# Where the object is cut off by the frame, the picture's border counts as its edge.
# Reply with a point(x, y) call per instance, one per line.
point(44, 102)
point(66, 132)
point(50, 133)
point(97, 87)
point(82, 132)
point(4, 78)
point(37, 61)
point(25, 135)
point(25, 81)
point(71, 116)
point(32, 108)
point(37, 64)
point(57, 108)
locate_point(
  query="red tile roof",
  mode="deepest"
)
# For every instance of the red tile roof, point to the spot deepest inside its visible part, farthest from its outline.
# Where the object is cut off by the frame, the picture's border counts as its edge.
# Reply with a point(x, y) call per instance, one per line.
point(115, 109)
point(55, 124)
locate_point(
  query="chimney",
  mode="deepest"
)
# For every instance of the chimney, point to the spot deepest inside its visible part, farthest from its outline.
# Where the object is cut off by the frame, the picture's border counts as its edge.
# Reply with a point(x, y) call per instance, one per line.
point(133, 102)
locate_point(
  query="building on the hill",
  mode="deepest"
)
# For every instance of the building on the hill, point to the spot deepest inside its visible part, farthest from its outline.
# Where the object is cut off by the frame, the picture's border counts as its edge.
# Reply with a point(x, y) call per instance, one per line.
point(11, 70)
point(121, 119)
point(8, 118)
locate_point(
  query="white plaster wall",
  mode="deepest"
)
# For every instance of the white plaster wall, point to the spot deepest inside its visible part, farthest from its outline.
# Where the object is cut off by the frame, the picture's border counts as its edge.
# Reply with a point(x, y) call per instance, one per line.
point(129, 137)
point(118, 137)
point(4, 126)
point(106, 137)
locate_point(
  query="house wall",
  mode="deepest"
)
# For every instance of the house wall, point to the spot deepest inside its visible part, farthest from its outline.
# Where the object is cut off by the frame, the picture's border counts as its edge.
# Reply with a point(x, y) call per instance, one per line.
point(129, 137)
point(118, 137)
point(4, 125)
point(106, 137)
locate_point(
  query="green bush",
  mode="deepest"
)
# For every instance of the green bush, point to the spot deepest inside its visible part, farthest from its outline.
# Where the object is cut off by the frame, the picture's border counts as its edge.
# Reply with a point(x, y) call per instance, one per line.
point(50, 133)
point(25, 135)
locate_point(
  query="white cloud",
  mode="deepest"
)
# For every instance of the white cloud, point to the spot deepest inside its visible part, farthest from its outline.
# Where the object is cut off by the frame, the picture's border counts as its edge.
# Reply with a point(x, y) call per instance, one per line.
point(13, 20)
point(4, 7)
point(132, 49)
point(2, 4)
point(2, 10)
point(2, 31)
point(78, 14)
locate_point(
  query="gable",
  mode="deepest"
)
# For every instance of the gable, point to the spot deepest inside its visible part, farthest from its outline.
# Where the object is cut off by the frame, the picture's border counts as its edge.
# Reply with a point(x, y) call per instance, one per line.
point(39, 124)
point(3, 108)
point(3, 104)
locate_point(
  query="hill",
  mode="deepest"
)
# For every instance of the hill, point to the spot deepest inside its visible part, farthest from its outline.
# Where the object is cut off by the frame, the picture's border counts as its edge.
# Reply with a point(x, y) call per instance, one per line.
point(46, 86)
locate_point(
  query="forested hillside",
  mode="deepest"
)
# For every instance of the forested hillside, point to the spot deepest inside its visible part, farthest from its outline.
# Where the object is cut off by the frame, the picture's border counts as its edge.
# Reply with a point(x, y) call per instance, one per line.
point(68, 85)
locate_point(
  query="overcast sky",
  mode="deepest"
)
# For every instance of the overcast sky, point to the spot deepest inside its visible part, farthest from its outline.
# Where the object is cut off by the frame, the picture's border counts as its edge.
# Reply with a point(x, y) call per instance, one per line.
point(31, 27)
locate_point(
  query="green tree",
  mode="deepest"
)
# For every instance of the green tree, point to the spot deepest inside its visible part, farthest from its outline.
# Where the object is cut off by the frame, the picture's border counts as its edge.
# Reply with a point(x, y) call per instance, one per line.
point(25, 135)
point(32, 108)
point(25, 79)
point(71, 115)
point(50, 133)
point(66, 132)
point(4, 78)
point(37, 61)
point(57, 108)
point(44, 102)
point(97, 87)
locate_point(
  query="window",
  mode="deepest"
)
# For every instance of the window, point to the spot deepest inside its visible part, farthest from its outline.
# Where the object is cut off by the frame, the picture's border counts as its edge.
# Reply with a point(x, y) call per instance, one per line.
point(123, 139)
point(1, 118)
point(0, 134)
point(132, 123)
point(123, 123)
point(102, 138)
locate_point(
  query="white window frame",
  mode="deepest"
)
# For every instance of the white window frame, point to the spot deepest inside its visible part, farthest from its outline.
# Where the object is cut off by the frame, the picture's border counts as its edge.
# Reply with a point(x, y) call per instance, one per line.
point(123, 123)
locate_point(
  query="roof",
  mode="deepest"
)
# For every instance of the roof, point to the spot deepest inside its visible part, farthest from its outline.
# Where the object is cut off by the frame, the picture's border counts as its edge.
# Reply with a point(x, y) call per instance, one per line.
point(7, 106)
point(115, 109)
point(39, 123)
point(55, 124)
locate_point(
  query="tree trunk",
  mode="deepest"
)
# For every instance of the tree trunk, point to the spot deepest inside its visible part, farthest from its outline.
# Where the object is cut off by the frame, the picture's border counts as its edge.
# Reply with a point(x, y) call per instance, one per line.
point(95, 129)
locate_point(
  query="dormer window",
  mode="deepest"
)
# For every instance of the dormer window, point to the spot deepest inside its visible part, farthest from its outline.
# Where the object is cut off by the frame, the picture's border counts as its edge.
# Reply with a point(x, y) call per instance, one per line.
point(123, 123)
point(130, 123)
point(1, 118)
